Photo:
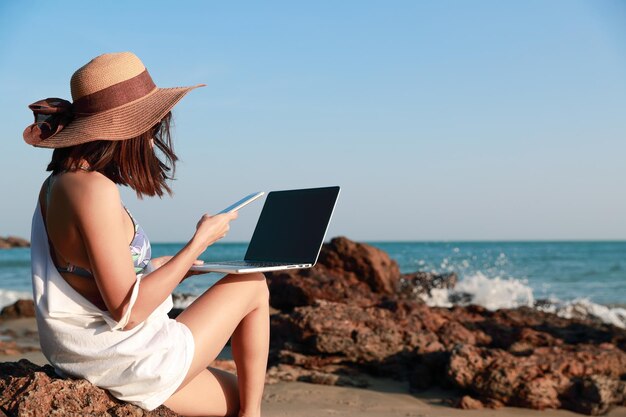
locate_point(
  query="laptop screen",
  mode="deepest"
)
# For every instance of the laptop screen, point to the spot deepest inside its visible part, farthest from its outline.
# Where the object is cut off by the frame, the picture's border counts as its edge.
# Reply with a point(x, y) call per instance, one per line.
point(292, 225)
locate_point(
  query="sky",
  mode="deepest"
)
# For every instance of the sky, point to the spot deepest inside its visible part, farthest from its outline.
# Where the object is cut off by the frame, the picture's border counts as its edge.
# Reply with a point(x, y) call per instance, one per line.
point(441, 120)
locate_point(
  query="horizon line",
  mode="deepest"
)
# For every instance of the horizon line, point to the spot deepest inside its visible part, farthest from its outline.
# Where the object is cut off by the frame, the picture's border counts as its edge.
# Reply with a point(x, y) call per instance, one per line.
point(604, 240)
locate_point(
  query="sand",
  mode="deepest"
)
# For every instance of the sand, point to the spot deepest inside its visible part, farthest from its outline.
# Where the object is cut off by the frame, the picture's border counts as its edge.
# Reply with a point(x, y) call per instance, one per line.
point(384, 397)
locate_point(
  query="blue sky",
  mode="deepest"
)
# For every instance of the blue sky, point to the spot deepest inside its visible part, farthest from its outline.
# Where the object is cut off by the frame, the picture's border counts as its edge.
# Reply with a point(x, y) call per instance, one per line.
point(447, 120)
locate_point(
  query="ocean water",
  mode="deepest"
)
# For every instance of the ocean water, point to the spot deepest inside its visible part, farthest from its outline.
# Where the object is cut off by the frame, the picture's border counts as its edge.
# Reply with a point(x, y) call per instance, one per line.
point(569, 278)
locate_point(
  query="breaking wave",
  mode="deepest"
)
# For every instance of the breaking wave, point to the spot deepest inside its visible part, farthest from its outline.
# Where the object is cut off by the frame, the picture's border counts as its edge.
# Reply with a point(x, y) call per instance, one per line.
point(495, 293)
point(8, 297)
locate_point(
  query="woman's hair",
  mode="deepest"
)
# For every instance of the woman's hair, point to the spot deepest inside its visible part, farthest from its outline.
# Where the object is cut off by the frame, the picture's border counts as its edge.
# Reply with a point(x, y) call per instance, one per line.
point(132, 162)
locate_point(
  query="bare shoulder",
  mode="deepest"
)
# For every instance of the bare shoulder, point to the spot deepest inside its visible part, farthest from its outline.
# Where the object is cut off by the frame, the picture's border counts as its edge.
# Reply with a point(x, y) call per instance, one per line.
point(88, 191)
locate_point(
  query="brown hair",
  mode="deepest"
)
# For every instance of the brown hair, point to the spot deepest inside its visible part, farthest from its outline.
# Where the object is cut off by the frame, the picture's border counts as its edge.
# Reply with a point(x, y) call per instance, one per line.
point(132, 162)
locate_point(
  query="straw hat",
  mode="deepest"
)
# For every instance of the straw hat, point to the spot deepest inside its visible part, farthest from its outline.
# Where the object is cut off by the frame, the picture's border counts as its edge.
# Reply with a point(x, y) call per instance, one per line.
point(114, 98)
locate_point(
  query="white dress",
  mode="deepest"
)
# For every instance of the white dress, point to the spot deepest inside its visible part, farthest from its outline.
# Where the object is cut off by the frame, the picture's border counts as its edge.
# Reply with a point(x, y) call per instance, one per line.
point(143, 366)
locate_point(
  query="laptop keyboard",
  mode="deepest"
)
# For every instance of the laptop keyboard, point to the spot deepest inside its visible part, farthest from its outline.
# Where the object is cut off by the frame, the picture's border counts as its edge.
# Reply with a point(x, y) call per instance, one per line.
point(252, 263)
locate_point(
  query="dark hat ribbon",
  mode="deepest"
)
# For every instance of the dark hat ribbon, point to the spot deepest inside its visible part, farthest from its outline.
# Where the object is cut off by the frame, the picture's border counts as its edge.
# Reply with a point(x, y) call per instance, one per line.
point(51, 116)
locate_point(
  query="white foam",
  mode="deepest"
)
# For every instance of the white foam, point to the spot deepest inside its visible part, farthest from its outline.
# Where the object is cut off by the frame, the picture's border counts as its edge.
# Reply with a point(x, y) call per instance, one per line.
point(495, 293)
point(491, 293)
point(585, 308)
point(183, 300)
point(439, 297)
point(8, 297)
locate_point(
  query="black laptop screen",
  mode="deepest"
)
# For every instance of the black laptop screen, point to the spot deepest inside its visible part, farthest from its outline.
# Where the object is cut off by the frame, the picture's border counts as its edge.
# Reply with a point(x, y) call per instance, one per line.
point(292, 225)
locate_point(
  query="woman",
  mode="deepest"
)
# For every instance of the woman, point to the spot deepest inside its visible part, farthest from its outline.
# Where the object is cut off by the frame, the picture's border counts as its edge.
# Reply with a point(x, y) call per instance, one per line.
point(101, 303)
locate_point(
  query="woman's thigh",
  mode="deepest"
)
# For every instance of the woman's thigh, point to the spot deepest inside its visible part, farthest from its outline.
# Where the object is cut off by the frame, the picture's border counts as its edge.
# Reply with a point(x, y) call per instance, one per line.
point(212, 392)
point(215, 315)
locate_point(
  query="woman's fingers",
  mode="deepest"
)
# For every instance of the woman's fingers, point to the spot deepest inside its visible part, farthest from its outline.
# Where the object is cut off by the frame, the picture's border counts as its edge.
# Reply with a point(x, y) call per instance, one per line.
point(212, 228)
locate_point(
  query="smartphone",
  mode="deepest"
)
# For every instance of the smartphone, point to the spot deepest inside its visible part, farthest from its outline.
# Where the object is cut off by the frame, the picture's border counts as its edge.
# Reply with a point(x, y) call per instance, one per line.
point(244, 201)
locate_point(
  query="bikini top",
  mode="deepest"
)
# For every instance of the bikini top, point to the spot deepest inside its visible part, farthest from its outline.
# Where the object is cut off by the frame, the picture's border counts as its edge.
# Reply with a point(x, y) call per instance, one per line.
point(140, 249)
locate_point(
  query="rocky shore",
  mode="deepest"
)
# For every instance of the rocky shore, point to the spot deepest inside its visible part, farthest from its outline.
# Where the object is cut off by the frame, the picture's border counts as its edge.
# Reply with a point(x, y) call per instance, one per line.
point(13, 242)
point(354, 317)
point(354, 313)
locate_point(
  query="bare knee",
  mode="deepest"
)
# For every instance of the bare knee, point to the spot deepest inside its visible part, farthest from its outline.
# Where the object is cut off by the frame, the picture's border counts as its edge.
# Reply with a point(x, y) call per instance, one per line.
point(262, 292)
point(257, 283)
point(264, 285)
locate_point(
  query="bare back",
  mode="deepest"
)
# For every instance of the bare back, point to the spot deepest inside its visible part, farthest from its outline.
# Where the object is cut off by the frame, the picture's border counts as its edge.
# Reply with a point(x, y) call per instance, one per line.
point(66, 243)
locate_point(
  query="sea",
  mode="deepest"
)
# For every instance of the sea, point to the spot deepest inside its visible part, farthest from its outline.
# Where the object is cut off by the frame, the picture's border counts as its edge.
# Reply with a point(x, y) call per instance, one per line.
point(568, 278)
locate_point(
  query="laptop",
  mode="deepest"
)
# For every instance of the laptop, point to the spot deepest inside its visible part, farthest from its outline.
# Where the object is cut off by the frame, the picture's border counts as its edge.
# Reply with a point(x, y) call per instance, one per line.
point(289, 233)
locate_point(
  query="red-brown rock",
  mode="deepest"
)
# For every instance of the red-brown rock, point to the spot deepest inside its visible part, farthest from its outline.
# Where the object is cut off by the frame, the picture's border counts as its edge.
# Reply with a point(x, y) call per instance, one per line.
point(19, 309)
point(12, 348)
point(595, 394)
point(540, 380)
point(13, 242)
point(346, 271)
point(30, 390)
point(468, 403)
point(365, 263)
point(355, 313)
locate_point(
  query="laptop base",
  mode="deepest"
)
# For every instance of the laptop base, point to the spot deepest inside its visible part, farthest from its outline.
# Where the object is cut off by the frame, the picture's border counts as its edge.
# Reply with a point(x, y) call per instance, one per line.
point(235, 269)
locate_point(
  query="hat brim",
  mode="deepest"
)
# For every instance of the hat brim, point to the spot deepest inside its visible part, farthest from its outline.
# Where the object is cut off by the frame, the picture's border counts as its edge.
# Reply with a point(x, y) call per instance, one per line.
point(120, 123)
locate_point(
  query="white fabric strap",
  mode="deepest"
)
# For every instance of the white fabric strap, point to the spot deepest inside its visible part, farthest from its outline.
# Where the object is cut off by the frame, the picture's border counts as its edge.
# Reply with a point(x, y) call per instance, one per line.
point(133, 297)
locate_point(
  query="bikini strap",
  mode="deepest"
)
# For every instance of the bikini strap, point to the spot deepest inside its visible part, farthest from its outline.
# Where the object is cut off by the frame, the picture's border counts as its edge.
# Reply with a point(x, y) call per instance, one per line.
point(132, 218)
point(76, 270)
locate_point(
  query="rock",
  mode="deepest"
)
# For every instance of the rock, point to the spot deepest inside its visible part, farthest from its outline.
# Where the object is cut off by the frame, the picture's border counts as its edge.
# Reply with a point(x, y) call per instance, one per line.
point(346, 271)
point(12, 348)
point(354, 333)
point(353, 313)
point(528, 339)
point(453, 332)
point(422, 283)
point(225, 365)
point(519, 357)
point(366, 263)
point(542, 379)
point(19, 309)
point(491, 403)
point(468, 403)
point(460, 298)
point(17, 242)
point(508, 326)
point(383, 341)
point(326, 378)
point(421, 377)
point(595, 394)
point(338, 376)
point(31, 390)
point(13, 242)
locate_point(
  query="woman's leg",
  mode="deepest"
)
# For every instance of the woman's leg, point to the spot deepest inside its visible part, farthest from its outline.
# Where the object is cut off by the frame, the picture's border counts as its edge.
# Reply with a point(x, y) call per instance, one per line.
point(250, 348)
point(236, 305)
point(212, 392)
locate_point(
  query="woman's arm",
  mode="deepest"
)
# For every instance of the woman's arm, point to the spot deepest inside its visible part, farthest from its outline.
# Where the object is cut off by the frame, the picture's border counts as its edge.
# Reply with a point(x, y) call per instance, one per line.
point(101, 224)
point(162, 260)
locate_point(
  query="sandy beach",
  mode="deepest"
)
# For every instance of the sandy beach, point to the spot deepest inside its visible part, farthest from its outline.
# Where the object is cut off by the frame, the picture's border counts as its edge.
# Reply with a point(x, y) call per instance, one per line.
point(383, 398)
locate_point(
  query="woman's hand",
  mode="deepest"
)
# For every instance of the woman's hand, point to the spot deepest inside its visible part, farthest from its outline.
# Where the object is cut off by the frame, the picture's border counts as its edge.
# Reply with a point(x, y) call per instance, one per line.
point(212, 228)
